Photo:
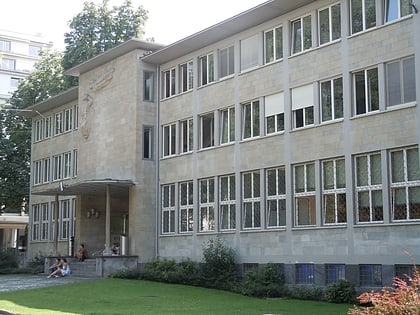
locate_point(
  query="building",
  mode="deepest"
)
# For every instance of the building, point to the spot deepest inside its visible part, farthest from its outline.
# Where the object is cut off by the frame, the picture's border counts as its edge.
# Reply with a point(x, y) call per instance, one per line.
point(18, 55)
point(290, 131)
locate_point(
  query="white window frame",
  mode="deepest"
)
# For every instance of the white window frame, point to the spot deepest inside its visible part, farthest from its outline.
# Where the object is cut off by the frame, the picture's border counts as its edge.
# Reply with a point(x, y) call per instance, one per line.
point(334, 98)
point(302, 106)
point(45, 222)
point(206, 69)
point(68, 120)
point(397, 4)
point(364, 25)
point(67, 165)
point(331, 32)
point(207, 205)
point(58, 123)
point(186, 75)
point(169, 139)
point(299, 37)
point(37, 171)
point(276, 197)
point(227, 125)
point(57, 167)
point(227, 61)
point(207, 131)
point(253, 121)
point(48, 127)
point(169, 83)
point(39, 130)
point(227, 202)
point(251, 203)
point(65, 219)
point(187, 134)
point(148, 86)
point(407, 82)
point(305, 194)
point(272, 51)
point(46, 170)
point(367, 104)
point(75, 162)
point(168, 209)
point(186, 207)
point(36, 222)
point(274, 113)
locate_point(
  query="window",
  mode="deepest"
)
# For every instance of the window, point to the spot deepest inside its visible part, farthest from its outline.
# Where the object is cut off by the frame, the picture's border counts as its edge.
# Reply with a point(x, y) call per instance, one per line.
point(207, 222)
point(273, 43)
point(37, 169)
point(5, 45)
point(44, 226)
point(186, 207)
point(207, 130)
point(169, 139)
point(169, 83)
point(36, 220)
point(227, 61)
point(249, 52)
point(46, 163)
point(304, 182)
point(251, 206)
point(168, 209)
point(67, 164)
point(276, 197)
point(329, 24)
point(369, 188)
point(58, 123)
point(334, 191)
point(68, 119)
point(147, 142)
point(34, 50)
point(65, 219)
point(48, 127)
point(227, 125)
point(251, 120)
point(395, 9)
point(274, 113)
point(57, 167)
point(227, 203)
point(149, 86)
point(301, 34)
point(334, 272)
point(186, 76)
point(74, 163)
point(302, 106)
point(366, 91)
point(206, 69)
point(14, 83)
point(400, 82)
point(8, 64)
point(370, 275)
point(405, 272)
point(305, 273)
point(39, 130)
point(332, 99)
point(76, 116)
point(187, 133)
point(405, 184)
point(363, 15)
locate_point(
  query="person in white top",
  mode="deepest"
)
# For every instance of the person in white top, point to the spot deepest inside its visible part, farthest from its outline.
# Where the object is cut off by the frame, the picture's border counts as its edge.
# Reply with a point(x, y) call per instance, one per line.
point(62, 271)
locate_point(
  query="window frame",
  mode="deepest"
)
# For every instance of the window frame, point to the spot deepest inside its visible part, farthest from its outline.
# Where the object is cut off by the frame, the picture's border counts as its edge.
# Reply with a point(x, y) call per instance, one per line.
point(399, 14)
point(272, 52)
point(229, 70)
point(148, 142)
point(251, 198)
point(207, 205)
point(227, 202)
point(404, 81)
point(169, 83)
point(169, 139)
point(364, 21)
point(305, 273)
point(207, 137)
point(227, 130)
point(186, 210)
point(300, 37)
point(186, 76)
point(335, 98)
point(368, 93)
point(305, 193)
point(148, 86)
point(186, 135)
point(254, 124)
point(206, 69)
point(278, 197)
point(330, 31)
point(168, 209)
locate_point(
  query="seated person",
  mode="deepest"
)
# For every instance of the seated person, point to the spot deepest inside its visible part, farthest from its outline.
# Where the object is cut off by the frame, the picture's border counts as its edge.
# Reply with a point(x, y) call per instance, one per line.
point(62, 271)
point(115, 249)
point(55, 265)
point(81, 253)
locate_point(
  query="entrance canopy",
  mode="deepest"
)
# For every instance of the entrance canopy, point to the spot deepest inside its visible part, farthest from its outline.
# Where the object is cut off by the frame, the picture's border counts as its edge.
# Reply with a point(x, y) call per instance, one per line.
point(94, 187)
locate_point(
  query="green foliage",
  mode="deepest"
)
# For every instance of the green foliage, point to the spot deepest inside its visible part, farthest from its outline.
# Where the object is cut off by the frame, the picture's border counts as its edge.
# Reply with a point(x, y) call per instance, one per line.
point(36, 265)
point(303, 292)
point(341, 292)
point(128, 273)
point(9, 258)
point(265, 282)
point(218, 267)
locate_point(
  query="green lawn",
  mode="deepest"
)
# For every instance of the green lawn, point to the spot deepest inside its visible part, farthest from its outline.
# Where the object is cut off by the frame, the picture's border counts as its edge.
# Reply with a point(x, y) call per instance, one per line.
point(117, 296)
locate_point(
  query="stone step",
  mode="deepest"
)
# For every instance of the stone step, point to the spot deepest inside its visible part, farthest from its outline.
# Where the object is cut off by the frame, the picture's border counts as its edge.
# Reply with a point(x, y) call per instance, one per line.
point(86, 268)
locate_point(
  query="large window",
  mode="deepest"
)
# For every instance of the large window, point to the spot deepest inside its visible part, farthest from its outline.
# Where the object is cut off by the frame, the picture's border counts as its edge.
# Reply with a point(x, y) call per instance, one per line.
point(186, 76)
point(305, 273)
point(44, 226)
point(301, 34)
point(400, 82)
point(332, 99)
point(168, 209)
point(36, 222)
point(395, 9)
point(147, 142)
point(65, 219)
point(169, 83)
point(187, 133)
point(227, 202)
point(207, 219)
point(274, 113)
point(334, 191)
point(363, 15)
point(249, 52)
point(57, 167)
point(58, 123)
point(46, 163)
point(186, 207)
point(329, 21)
point(169, 139)
point(47, 127)
point(67, 165)
point(366, 91)
point(7, 63)
point(206, 69)
point(251, 206)
point(68, 119)
point(304, 182)
point(334, 272)
point(405, 184)
point(39, 130)
point(148, 86)
point(276, 197)
point(302, 106)
point(370, 275)
point(369, 188)
point(207, 130)
point(251, 120)
point(5, 45)
point(37, 172)
point(34, 50)
point(273, 43)
point(227, 61)
point(227, 125)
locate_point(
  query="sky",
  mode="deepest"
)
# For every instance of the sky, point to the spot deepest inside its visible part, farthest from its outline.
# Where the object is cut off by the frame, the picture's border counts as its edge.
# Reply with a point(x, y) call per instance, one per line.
point(168, 22)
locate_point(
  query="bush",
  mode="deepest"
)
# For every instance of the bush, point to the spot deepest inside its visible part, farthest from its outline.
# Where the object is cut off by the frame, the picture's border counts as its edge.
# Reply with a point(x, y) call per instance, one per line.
point(9, 259)
point(302, 292)
point(403, 298)
point(218, 269)
point(129, 273)
point(341, 292)
point(36, 265)
point(267, 282)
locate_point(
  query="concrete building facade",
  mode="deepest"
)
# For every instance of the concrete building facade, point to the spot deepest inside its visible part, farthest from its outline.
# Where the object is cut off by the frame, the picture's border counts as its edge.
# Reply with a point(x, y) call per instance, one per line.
point(290, 131)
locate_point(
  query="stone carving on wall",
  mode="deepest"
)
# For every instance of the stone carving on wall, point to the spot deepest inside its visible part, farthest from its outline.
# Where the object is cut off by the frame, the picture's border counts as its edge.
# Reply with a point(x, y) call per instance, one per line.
point(88, 100)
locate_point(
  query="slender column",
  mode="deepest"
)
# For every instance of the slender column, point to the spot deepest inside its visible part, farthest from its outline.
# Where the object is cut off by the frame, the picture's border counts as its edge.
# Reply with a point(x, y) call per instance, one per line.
point(108, 220)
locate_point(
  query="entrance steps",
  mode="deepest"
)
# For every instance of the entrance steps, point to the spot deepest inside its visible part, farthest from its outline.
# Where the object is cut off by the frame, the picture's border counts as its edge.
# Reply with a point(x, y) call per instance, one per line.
point(85, 269)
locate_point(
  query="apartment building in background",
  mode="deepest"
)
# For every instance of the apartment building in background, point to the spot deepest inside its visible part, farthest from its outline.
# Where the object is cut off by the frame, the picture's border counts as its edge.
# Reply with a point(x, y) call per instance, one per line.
point(290, 131)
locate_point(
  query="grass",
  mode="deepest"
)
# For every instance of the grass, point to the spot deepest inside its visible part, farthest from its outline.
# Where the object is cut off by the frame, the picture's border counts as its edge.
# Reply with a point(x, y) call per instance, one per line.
point(118, 296)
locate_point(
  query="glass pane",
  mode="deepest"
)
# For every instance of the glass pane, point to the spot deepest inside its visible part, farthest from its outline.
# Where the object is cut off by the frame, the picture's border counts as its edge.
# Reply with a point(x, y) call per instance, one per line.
point(338, 98)
point(414, 199)
point(328, 168)
point(203, 192)
point(310, 177)
point(211, 68)
point(326, 104)
point(397, 167)
point(281, 181)
point(356, 16)
point(231, 60)
point(279, 42)
point(361, 171)
point(166, 196)
point(247, 214)
point(307, 32)
point(324, 26)
point(393, 83)
point(232, 187)
point(232, 124)
point(247, 185)
point(373, 89)
point(391, 7)
point(363, 206)
point(247, 121)
point(413, 171)
point(336, 21)
point(370, 12)
point(211, 190)
point(269, 46)
point(309, 115)
point(271, 124)
point(409, 80)
point(257, 215)
point(360, 93)
point(329, 201)
point(377, 205)
point(224, 216)
point(173, 139)
point(271, 182)
point(225, 126)
point(375, 169)
point(399, 204)
point(406, 7)
point(232, 216)
point(297, 36)
point(300, 178)
point(341, 174)
point(256, 190)
point(190, 193)
point(272, 212)
point(280, 122)
point(224, 189)
point(256, 119)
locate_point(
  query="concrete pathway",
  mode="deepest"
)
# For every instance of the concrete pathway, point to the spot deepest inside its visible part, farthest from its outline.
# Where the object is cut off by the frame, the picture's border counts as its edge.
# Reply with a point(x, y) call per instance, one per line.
point(25, 281)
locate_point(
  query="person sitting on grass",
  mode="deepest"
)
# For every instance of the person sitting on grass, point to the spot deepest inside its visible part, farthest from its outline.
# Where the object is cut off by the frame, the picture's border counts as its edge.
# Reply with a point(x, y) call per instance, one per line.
point(55, 265)
point(62, 270)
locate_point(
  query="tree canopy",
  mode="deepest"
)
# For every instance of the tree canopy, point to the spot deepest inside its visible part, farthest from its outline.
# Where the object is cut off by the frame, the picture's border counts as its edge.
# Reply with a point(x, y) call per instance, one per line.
point(93, 31)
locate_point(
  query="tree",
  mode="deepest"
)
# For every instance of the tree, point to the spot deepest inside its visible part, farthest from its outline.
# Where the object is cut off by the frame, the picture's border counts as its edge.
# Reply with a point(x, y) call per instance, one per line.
point(98, 28)
point(15, 136)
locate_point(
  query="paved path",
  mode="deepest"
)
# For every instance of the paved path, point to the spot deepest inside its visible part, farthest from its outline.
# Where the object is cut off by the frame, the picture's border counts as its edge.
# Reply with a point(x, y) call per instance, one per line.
point(25, 281)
